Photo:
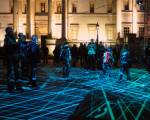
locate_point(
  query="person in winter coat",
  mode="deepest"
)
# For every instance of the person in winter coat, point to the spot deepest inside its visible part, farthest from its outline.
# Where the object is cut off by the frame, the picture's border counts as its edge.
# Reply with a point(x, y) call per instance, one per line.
point(12, 60)
point(91, 55)
point(108, 61)
point(23, 60)
point(34, 58)
point(124, 64)
point(65, 56)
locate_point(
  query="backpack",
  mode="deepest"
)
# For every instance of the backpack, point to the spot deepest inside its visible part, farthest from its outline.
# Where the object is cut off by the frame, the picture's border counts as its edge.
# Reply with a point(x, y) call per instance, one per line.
point(124, 58)
point(107, 58)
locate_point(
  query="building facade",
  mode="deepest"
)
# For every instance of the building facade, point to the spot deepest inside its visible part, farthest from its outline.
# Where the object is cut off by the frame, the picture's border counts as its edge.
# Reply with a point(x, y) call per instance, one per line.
point(116, 18)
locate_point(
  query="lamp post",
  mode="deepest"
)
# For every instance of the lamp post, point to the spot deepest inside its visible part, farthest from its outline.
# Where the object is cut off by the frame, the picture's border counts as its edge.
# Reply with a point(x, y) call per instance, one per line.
point(97, 28)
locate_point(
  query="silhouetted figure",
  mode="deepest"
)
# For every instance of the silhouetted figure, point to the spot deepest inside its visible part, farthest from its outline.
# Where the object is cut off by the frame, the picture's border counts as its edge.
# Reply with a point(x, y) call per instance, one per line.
point(23, 59)
point(82, 53)
point(74, 53)
point(56, 53)
point(116, 55)
point(124, 64)
point(34, 59)
point(147, 57)
point(12, 58)
point(65, 56)
point(91, 55)
point(45, 54)
point(99, 55)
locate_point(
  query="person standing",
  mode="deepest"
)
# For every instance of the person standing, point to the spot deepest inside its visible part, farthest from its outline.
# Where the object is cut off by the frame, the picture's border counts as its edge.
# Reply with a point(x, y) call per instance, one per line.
point(34, 58)
point(124, 64)
point(12, 60)
point(108, 61)
point(23, 55)
point(65, 56)
point(91, 55)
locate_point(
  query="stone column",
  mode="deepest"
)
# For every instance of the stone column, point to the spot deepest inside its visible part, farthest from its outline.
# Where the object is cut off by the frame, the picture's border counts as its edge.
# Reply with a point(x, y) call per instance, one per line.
point(20, 21)
point(30, 18)
point(134, 16)
point(119, 18)
point(15, 15)
point(50, 18)
point(64, 16)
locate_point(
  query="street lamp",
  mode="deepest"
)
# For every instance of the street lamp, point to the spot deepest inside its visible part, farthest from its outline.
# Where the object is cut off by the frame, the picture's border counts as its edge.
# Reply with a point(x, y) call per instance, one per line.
point(97, 28)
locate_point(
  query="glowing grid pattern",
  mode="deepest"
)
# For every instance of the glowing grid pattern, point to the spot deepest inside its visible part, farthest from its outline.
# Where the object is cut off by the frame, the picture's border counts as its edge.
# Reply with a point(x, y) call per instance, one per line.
point(57, 98)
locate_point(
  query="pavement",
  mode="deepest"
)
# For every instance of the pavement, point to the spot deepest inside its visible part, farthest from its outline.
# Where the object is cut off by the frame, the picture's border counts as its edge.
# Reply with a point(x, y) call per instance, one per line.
point(84, 95)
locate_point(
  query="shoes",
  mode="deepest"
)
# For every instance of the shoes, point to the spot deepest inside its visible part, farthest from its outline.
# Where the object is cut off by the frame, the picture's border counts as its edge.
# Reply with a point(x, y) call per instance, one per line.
point(10, 86)
point(19, 86)
point(32, 83)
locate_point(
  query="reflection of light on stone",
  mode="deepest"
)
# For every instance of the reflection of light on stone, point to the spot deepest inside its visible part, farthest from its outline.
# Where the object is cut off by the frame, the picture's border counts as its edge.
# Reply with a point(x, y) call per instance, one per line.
point(1, 43)
point(134, 18)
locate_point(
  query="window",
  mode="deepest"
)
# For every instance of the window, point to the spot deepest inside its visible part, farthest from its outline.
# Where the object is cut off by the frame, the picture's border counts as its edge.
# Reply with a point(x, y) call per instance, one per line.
point(25, 8)
point(74, 8)
point(43, 7)
point(141, 31)
point(59, 7)
point(91, 7)
point(109, 6)
point(92, 31)
point(110, 32)
point(74, 31)
point(126, 4)
point(12, 9)
point(126, 31)
point(141, 7)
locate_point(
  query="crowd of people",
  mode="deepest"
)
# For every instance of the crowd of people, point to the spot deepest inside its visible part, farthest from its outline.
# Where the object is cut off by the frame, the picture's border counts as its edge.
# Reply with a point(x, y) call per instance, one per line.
point(96, 56)
point(22, 58)
point(93, 56)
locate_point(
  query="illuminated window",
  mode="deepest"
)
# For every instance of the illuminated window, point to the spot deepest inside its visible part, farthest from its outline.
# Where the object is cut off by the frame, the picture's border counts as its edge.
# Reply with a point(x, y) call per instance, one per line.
point(43, 7)
point(110, 32)
point(126, 31)
point(74, 31)
point(126, 4)
point(91, 7)
point(59, 7)
point(109, 6)
point(92, 31)
point(141, 31)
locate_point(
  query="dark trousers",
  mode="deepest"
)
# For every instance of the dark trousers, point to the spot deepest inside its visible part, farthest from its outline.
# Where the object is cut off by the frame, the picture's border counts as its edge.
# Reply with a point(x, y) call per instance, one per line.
point(124, 69)
point(33, 66)
point(12, 68)
point(66, 68)
point(107, 68)
point(91, 62)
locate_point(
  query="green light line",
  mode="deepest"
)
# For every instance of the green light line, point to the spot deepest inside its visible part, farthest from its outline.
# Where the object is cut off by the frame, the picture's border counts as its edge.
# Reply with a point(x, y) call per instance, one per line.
point(140, 112)
point(108, 105)
point(123, 113)
point(127, 108)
